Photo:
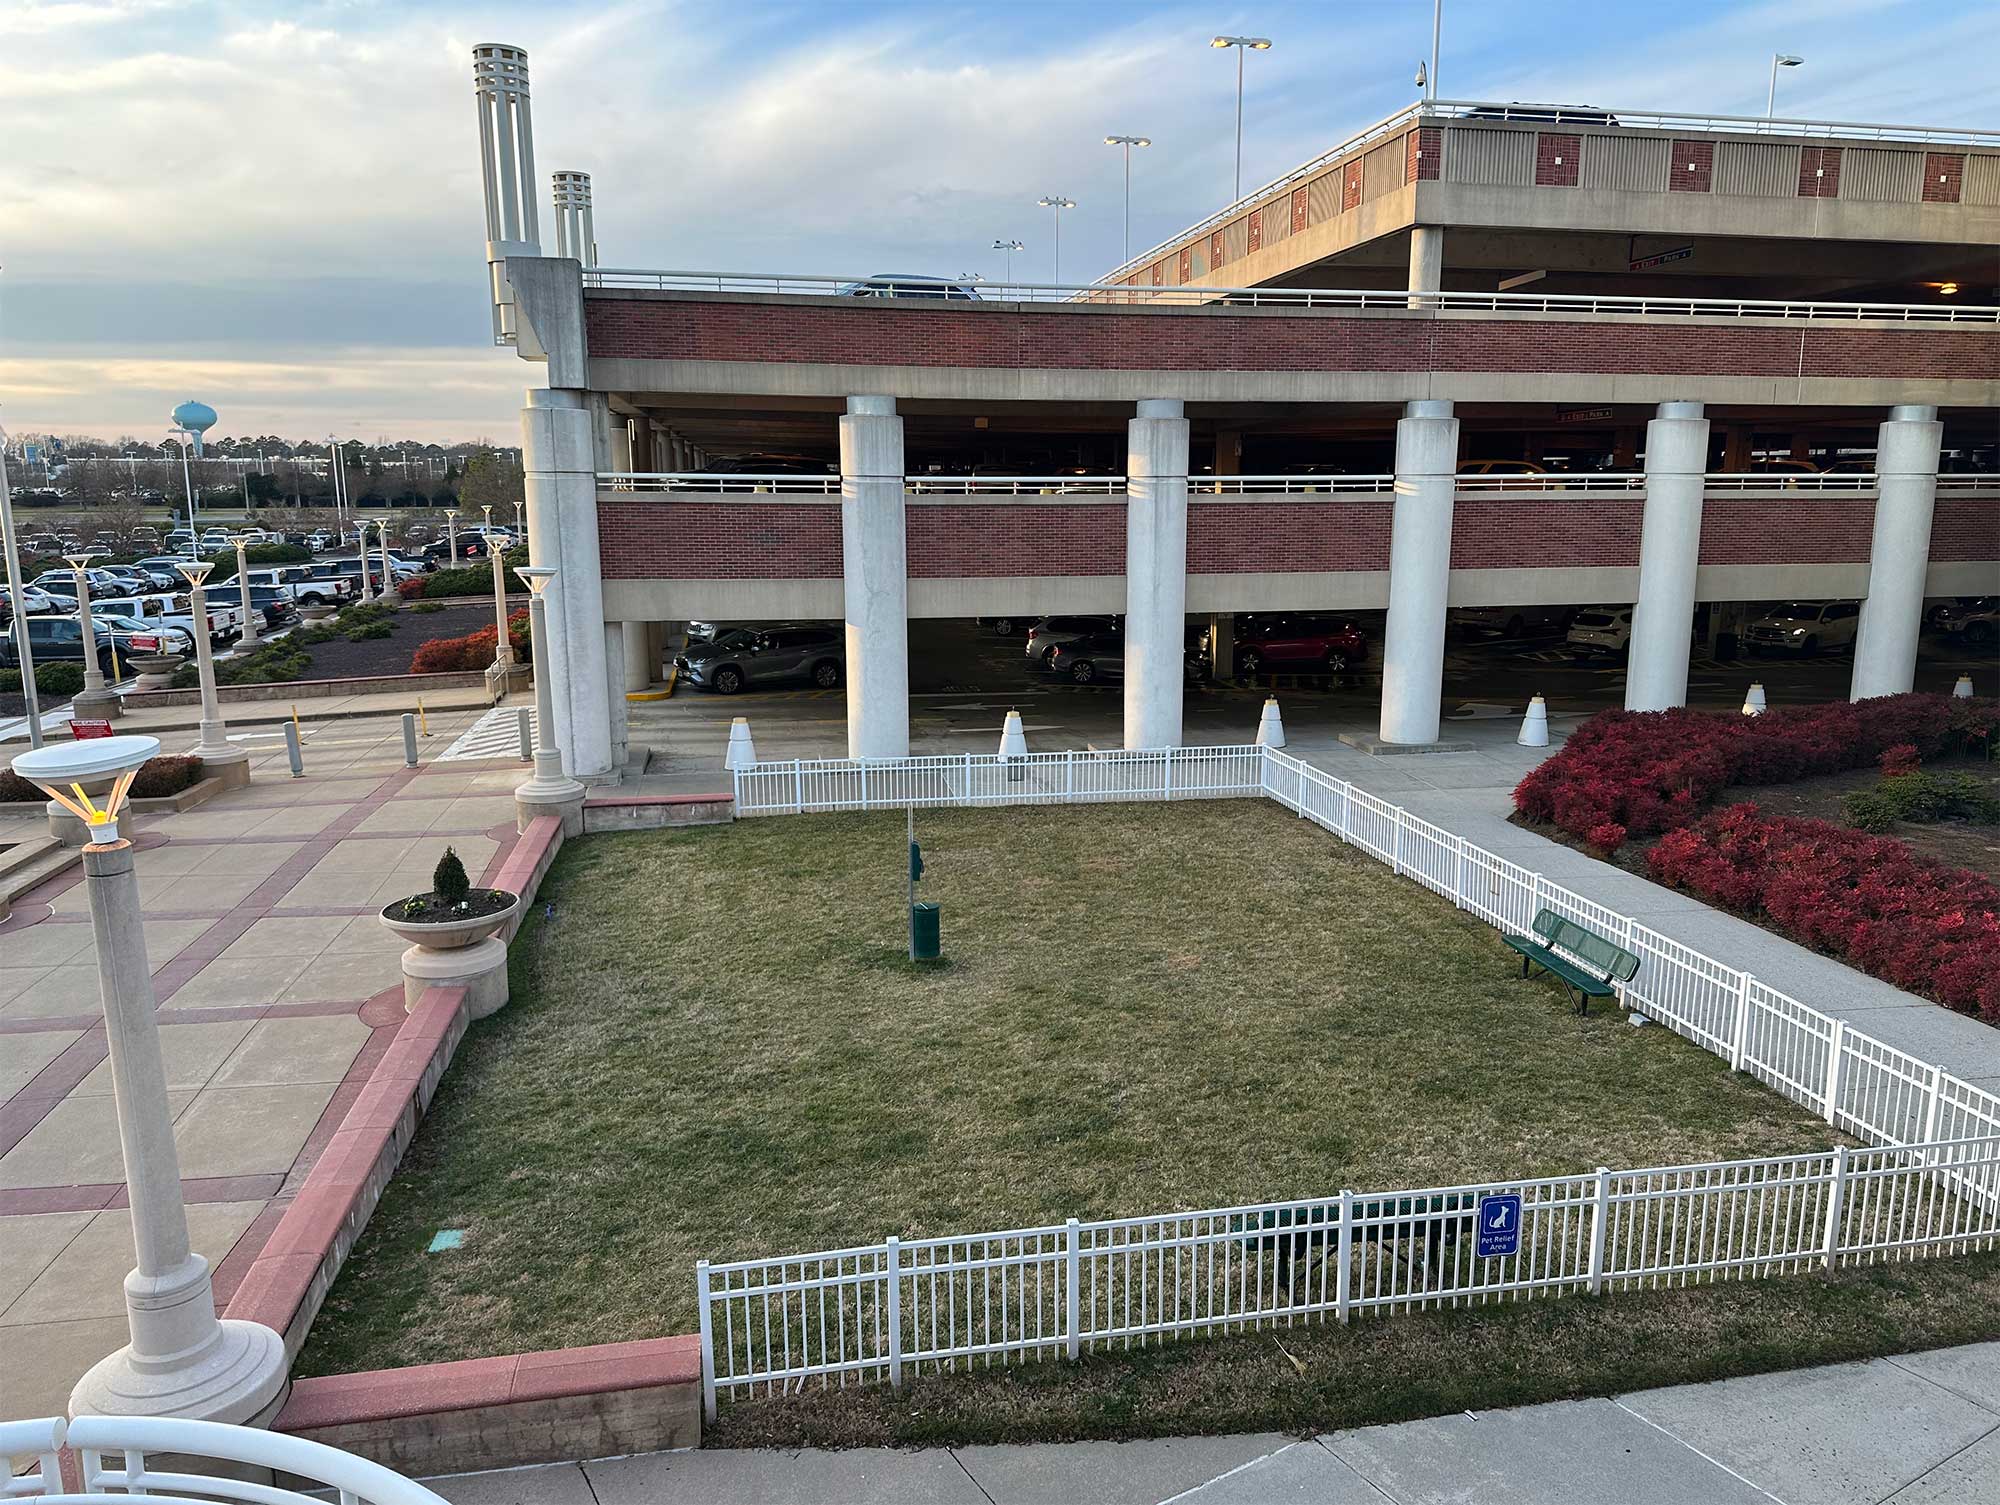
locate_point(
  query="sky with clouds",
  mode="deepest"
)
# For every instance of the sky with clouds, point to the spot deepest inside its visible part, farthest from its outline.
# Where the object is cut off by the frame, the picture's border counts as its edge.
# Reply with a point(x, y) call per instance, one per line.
point(276, 206)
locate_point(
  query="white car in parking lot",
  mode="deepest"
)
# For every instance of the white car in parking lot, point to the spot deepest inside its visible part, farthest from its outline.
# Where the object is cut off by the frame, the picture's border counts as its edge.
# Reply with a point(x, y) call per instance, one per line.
point(1803, 627)
point(1602, 629)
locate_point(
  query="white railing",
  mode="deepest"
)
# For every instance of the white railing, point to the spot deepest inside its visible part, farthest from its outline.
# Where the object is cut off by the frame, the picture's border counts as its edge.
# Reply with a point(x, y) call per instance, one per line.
point(1024, 486)
point(1082, 294)
point(99, 1439)
point(906, 1307)
point(808, 785)
point(705, 483)
point(875, 1312)
point(1446, 111)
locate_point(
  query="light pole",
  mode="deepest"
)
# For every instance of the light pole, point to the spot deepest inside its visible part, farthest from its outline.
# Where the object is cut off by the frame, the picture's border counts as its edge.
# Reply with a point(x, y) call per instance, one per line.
point(548, 785)
point(503, 650)
point(1128, 142)
point(334, 472)
point(1242, 45)
point(187, 438)
point(389, 591)
point(1055, 204)
point(93, 699)
point(181, 1361)
point(1778, 60)
point(23, 654)
point(451, 531)
point(249, 633)
point(1010, 247)
point(214, 744)
point(1429, 81)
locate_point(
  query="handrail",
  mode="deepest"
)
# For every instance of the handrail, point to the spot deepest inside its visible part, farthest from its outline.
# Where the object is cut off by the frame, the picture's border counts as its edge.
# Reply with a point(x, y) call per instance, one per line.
point(1203, 488)
point(1548, 114)
point(822, 285)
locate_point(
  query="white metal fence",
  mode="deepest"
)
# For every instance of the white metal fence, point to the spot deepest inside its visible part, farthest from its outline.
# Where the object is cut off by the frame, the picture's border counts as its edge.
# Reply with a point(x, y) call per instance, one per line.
point(1930, 1184)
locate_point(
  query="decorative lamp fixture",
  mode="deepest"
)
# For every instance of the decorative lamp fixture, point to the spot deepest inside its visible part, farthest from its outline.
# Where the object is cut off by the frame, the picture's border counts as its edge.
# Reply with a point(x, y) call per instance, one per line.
point(69, 773)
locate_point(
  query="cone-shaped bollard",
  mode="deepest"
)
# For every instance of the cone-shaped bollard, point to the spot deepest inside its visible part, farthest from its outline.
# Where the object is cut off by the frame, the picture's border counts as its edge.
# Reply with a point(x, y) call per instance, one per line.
point(742, 752)
point(1963, 689)
point(1271, 726)
point(1753, 703)
point(1014, 748)
point(1535, 725)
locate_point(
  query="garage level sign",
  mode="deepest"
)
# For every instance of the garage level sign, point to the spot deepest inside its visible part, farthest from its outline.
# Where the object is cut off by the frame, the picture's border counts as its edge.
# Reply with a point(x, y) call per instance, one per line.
point(1499, 1225)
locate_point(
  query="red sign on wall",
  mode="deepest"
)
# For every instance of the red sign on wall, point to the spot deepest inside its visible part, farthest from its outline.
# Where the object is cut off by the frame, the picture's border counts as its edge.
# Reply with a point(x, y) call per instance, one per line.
point(82, 730)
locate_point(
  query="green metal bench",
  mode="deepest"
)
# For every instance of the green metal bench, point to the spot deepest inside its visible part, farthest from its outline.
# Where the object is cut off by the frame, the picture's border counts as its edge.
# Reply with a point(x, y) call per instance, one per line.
point(1602, 964)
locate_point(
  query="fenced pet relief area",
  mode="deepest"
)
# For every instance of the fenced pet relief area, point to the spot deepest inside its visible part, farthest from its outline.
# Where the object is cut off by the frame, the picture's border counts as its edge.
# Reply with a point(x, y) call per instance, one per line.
point(1929, 1182)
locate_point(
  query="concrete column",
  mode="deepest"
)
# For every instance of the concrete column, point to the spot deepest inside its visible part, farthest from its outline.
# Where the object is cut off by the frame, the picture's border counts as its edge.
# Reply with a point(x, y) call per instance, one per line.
point(1656, 675)
point(640, 664)
point(1222, 644)
point(1737, 442)
point(1426, 261)
point(1156, 464)
point(614, 690)
point(561, 481)
point(181, 1361)
point(1419, 573)
point(1228, 452)
point(876, 590)
point(1892, 615)
point(621, 444)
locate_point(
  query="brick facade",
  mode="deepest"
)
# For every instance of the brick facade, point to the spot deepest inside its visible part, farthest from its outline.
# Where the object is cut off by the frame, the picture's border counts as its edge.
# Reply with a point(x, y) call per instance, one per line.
point(727, 540)
point(1350, 187)
point(1256, 230)
point(1693, 167)
point(1557, 159)
point(1965, 530)
point(1301, 208)
point(1802, 530)
point(979, 540)
point(1339, 533)
point(1522, 533)
point(1819, 172)
point(1944, 177)
point(1423, 153)
point(877, 333)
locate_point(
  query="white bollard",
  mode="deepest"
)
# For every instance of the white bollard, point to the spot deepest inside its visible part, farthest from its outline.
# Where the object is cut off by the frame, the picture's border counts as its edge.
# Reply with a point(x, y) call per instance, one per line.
point(1271, 726)
point(742, 752)
point(1535, 725)
point(1963, 689)
point(1014, 748)
point(1753, 703)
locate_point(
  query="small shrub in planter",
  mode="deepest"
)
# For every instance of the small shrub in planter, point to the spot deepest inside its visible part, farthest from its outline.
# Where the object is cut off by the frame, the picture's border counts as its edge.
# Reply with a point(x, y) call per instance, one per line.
point(1898, 760)
point(451, 899)
point(473, 651)
point(156, 779)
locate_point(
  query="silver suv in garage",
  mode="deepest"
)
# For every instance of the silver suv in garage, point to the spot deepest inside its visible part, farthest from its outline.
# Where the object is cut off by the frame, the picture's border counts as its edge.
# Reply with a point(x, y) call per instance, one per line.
point(782, 652)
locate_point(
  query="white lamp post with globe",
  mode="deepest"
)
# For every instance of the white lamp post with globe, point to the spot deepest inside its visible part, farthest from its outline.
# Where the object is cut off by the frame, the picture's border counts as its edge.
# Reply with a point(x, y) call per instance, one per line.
point(182, 1361)
point(503, 648)
point(94, 702)
point(218, 757)
point(248, 636)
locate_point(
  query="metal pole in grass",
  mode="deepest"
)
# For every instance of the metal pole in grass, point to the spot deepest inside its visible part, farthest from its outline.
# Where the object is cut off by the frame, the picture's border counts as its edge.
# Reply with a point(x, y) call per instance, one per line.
point(910, 821)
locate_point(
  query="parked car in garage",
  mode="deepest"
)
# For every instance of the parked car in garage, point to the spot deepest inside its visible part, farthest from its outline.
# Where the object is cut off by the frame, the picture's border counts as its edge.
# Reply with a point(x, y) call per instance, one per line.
point(1050, 633)
point(1088, 659)
point(1804, 627)
point(1601, 629)
point(1513, 621)
point(1298, 643)
point(1501, 468)
point(1975, 619)
point(741, 656)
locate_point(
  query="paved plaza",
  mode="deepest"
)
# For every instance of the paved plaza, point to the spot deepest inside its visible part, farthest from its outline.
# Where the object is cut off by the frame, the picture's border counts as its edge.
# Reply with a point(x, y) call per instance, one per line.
point(278, 990)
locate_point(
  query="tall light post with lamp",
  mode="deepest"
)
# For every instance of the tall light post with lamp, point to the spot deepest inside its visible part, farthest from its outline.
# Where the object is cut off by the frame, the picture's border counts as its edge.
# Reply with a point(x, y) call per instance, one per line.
point(548, 791)
point(182, 1361)
point(248, 636)
point(1010, 247)
point(390, 593)
point(187, 439)
point(1778, 60)
point(23, 651)
point(228, 763)
point(451, 532)
point(503, 647)
point(95, 701)
point(1055, 203)
point(1242, 45)
point(1128, 142)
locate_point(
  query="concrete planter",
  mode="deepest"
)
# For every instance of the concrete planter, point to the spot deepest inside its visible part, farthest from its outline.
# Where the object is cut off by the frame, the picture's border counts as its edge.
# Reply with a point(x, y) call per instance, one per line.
point(155, 670)
point(456, 953)
point(315, 613)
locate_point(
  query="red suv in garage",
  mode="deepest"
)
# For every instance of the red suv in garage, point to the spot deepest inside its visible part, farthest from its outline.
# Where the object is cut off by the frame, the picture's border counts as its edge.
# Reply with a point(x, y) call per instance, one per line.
point(1299, 643)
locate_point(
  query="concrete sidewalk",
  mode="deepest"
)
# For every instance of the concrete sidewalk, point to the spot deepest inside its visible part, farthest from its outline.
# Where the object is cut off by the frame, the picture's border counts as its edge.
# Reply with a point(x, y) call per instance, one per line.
point(1921, 1429)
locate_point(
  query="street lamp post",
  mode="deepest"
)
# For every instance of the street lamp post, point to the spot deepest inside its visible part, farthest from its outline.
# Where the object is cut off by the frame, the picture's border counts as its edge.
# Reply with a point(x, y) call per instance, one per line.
point(1128, 142)
point(1242, 45)
point(548, 791)
point(182, 1361)
point(249, 633)
point(1055, 204)
point(23, 652)
point(213, 748)
point(1010, 247)
point(390, 592)
point(451, 531)
point(187, 438)
point(93, 700)
point(1778, 60)
point(503, 650)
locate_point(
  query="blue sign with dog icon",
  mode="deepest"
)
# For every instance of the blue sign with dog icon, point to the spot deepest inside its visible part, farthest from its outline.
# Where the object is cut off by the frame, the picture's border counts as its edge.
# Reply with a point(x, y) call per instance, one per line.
point(1499, 1225)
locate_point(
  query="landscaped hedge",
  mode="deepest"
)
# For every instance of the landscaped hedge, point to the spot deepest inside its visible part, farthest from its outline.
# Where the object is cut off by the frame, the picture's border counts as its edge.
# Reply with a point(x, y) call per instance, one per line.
point(55, 679)
point(1869, 900)
point(157, 778)
point(473, 651)
point(1626, 774)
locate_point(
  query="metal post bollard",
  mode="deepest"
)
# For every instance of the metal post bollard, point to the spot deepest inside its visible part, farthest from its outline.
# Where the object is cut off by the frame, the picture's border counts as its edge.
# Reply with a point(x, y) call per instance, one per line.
point(527, 736)
point(409, 740)
point(292, 750)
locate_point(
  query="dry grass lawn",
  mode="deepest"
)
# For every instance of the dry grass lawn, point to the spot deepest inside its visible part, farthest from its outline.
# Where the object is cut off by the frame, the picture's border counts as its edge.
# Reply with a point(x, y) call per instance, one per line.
point(717, 1049)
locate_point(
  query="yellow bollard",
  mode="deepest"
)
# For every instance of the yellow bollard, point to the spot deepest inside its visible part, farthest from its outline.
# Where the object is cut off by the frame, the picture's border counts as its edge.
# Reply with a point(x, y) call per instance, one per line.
point(115, 675)
point(423, 721)
point(295, 719)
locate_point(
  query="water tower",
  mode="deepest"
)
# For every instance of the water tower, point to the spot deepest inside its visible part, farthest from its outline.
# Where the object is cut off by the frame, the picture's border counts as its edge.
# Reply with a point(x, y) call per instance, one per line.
point(197, 418)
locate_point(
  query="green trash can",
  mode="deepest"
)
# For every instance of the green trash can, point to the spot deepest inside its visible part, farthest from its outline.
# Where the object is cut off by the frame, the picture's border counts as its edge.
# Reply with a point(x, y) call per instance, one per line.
point(924, 932)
